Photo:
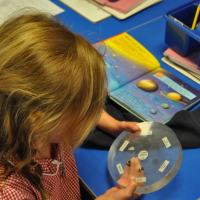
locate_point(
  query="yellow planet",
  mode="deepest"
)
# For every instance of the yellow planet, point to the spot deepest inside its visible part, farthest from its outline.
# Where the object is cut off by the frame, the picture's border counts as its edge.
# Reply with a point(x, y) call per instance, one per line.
point(174, 97)
point(147, 85)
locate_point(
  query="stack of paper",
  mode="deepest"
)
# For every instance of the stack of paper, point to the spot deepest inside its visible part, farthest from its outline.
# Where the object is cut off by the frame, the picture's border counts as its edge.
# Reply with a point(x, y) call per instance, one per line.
point(121, 5)
point(87, 10)
point(7, 8)
point(185, 65)
point(139, 6)
point(97, 10)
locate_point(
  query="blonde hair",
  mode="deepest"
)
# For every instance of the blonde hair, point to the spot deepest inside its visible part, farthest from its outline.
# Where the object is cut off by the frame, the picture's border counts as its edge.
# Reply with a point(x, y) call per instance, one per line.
point(45, 68)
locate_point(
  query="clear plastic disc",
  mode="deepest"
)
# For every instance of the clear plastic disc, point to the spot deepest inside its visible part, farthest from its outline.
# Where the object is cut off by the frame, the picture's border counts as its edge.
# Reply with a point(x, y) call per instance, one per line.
point(153, 156)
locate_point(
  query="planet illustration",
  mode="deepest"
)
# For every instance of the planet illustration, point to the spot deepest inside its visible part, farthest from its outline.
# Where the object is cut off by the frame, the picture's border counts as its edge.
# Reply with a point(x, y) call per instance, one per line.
point(174, 97)
point(165, 105)
point(153, 112)
point(147, 85)
point(114, 55)
point(159, 74)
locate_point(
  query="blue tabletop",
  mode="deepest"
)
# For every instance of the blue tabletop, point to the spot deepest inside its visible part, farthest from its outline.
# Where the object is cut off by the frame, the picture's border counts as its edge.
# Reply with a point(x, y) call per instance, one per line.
point(148, 28)
point(92, 168)
point(152, 36)
point(112, 26)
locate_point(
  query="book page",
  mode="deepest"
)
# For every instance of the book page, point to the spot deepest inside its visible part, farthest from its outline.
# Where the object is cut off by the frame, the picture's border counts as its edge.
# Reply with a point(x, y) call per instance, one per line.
point(125, 59)
point(156, 96)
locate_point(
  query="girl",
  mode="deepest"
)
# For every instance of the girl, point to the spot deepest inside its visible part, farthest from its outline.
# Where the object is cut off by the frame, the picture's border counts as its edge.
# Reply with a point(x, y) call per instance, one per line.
point(52, 93)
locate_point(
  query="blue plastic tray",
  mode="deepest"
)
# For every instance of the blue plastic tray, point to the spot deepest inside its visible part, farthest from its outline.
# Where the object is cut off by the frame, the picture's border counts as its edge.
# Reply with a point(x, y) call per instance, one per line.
point(179, 35)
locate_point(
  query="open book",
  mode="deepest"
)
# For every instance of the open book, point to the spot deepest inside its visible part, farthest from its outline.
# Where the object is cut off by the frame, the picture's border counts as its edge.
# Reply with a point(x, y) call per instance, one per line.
point(137, 83)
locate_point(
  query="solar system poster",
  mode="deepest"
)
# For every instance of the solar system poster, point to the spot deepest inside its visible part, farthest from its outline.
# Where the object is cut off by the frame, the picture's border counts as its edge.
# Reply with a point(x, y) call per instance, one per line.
point(137, 83)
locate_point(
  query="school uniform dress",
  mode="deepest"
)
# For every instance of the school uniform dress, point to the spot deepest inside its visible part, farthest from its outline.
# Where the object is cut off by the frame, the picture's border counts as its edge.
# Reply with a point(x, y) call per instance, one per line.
point(58, 178)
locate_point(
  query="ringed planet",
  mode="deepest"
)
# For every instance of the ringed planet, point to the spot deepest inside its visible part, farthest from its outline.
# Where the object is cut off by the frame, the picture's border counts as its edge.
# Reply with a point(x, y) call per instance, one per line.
point(174, 97)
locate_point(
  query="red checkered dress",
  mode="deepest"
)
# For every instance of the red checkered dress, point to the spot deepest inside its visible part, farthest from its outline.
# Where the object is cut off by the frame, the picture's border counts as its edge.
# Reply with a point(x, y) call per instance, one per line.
point(17, 187)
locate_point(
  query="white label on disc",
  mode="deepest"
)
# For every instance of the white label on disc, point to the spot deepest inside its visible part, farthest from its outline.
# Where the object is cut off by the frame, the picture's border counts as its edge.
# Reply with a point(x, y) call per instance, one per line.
point(146, 133)
point(120, 169)
point(163, 166)
point(166, 142)
point(131, 148)
point(124, 145)
point(139, 124)
point(141, 179)
point(143, 155)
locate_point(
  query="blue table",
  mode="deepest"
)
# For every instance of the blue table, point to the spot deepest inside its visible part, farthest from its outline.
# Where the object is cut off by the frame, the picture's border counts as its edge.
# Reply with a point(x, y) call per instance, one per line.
point(92, 169)
point(112, 26)
point(148, 28)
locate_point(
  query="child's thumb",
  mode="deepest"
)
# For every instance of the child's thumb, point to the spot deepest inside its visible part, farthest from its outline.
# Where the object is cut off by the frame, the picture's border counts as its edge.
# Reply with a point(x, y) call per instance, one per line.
point(123, 194)
point(131, 187)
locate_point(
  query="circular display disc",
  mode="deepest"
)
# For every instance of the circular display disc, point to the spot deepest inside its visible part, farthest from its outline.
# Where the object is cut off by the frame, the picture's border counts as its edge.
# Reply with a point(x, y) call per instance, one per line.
point(153, 156)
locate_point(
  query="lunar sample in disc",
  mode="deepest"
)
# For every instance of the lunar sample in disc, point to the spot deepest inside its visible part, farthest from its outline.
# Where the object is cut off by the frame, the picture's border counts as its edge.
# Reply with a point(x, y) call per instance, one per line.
point(153, 156)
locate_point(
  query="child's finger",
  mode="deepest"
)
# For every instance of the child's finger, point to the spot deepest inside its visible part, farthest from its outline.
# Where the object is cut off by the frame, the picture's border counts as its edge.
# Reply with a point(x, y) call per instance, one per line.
point(137, 163)
point(139, 171)
point(124, 178)
point(126, 170)
point(138, 167)
point(133, 170)
point(126, 193)
point(133, 126)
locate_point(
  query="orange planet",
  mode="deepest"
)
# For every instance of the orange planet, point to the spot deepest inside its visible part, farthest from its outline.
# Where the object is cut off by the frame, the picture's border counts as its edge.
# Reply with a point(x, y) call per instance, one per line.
point(147, 85)
point(159, 74)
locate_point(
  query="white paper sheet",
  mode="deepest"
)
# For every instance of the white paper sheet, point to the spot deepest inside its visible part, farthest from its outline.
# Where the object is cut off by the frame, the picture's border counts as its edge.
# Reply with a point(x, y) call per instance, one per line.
point(7, 7)
point(86, 9)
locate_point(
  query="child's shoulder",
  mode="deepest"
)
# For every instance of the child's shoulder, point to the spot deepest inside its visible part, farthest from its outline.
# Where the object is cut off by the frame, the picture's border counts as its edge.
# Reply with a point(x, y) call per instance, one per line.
point(17, 187)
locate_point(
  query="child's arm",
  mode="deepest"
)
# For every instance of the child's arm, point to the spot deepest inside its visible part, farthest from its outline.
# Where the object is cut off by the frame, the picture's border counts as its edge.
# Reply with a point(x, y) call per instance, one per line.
point(114, 127)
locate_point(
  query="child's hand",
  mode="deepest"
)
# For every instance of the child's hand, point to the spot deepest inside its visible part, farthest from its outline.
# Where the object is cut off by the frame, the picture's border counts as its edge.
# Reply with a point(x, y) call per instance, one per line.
point(117, 193)
point(132, 168)
point(114, 127)
point(121, 126)
point(128, 181)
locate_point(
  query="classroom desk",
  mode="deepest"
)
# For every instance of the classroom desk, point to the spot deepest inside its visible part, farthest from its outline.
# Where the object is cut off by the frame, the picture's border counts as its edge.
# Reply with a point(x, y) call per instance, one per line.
point(112, 26)
point(92, 164)
point(92, 168)
point(148, 28)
